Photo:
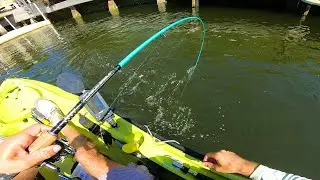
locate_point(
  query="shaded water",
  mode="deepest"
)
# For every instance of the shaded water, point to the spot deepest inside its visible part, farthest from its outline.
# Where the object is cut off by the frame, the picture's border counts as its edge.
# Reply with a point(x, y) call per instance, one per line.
point(255, 90)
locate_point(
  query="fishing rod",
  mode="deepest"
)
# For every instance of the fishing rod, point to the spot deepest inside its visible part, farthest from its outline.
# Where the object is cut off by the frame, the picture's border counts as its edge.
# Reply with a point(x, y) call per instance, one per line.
point(48, 138)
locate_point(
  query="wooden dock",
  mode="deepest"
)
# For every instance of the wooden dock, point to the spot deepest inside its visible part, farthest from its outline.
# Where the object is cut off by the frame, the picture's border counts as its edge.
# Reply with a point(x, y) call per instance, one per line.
point(6, 13)
point(20, 14)
point(26, 12)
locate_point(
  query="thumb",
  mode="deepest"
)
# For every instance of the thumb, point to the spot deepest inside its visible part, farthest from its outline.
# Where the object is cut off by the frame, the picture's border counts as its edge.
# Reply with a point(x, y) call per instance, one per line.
point(39, 156)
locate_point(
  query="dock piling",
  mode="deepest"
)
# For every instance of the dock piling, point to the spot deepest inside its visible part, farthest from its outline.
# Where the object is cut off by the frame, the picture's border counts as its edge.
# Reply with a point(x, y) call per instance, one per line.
point(305, 14)
point(74, 12)
point(76, 15)
point(162, 5)
point(195, 7)
point(32, 21)
point(113, 8)
point(195, 3)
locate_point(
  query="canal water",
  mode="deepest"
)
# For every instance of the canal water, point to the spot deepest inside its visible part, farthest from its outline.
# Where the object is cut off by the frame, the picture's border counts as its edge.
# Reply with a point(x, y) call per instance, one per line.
point(256, 90)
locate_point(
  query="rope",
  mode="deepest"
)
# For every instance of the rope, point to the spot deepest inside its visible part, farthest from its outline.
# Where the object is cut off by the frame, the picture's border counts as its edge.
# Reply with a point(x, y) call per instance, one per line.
point(157, 140)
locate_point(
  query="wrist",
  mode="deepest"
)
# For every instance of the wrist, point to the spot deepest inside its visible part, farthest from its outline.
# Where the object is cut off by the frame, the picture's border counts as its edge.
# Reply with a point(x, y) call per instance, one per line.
point(248, 168)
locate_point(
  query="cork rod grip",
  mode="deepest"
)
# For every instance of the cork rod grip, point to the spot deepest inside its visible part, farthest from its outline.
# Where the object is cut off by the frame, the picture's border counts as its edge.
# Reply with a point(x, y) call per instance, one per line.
point(44, 140)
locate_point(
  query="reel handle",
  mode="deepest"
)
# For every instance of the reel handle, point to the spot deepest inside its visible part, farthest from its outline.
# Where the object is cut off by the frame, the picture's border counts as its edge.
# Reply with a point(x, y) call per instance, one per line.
point(44, 140)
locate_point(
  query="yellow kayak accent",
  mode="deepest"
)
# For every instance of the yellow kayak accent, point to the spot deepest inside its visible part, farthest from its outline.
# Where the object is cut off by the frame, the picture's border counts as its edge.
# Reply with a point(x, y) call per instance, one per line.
point(17, 97)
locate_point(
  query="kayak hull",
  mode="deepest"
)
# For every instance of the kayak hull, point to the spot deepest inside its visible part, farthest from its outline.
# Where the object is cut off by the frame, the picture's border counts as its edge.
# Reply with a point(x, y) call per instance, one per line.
point(17, 97)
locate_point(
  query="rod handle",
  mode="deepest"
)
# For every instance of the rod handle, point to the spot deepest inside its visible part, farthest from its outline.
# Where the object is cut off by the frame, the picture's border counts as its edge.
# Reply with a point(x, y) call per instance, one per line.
point(44, 140)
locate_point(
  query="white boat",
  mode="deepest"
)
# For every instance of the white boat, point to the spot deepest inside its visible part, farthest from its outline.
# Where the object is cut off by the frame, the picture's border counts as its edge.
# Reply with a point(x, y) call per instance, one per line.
point(312, 2)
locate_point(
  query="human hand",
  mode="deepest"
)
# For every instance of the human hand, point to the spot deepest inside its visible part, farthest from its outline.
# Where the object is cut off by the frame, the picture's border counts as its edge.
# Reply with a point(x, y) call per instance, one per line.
point(87, 155)
point(14, 156)
point(229, 162)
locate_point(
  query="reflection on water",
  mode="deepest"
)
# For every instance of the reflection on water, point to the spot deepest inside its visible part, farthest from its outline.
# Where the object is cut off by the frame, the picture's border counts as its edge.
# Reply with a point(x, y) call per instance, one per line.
point(79, 20)
point(24, 56)
point(255, 91)
point(19, 51)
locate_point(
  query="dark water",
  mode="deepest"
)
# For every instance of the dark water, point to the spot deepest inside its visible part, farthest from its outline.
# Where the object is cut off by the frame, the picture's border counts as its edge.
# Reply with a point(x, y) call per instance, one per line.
point(255, 90)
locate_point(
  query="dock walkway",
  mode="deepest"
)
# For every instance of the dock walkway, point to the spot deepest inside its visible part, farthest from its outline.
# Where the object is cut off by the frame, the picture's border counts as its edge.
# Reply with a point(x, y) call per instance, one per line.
point(20, 14)
point(29, 11)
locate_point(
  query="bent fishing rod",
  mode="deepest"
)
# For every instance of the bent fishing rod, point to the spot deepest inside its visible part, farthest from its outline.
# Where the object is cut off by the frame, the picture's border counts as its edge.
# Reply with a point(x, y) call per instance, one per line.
point(48, 138)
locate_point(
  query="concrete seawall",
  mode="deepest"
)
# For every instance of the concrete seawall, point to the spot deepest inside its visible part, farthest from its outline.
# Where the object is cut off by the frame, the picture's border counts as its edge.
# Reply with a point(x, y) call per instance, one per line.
point(23, 30)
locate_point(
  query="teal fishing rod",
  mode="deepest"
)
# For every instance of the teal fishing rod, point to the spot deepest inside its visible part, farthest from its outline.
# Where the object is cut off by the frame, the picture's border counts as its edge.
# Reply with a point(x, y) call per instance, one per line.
point(49, 137)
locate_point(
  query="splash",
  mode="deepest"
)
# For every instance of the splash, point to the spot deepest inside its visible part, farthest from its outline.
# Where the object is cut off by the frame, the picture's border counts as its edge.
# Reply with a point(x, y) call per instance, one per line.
point(182, 120)
point(162, 102)
point(171, 115)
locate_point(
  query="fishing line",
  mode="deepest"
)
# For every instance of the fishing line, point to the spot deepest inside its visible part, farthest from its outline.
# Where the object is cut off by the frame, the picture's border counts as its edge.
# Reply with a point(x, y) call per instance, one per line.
point(51, 136)
point(134, 75)
point(122, 89)
point(188, 78)
point(48, 138)
point(161, 33)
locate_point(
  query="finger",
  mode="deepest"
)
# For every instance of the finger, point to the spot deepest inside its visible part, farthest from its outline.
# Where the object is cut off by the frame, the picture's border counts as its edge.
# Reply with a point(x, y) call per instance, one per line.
point(209, 156)
point(28, 136)
point(39, 156)
point(22, 140)
point(210, 165)
point(36, 129)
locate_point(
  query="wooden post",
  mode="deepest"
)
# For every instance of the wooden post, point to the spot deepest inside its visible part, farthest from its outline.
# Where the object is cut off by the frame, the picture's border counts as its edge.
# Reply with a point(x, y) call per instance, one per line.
point(195, 7)
point(305, 14)
point(162, 5)
point(113, 8)
point(24, 23)
point(75, 13)
point(46, 2)
point(2, 30)
point(194, 12)
point(195, 3)
point(32, 21)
